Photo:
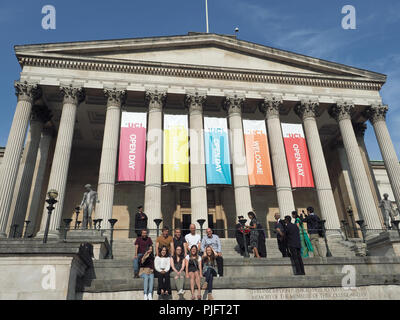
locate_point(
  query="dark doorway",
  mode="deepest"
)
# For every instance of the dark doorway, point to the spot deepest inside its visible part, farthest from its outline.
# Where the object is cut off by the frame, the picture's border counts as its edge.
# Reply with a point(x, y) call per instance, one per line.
point(186, 221)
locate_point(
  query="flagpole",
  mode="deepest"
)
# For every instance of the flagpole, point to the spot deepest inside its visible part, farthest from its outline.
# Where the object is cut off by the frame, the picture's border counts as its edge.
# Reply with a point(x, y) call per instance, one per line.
point(207, 15)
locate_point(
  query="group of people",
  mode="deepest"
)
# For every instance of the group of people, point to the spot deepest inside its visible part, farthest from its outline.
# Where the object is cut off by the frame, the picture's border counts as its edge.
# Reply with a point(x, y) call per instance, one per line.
point(200, 258)
point(294, 241)
point(252, 235)
point(178, 257)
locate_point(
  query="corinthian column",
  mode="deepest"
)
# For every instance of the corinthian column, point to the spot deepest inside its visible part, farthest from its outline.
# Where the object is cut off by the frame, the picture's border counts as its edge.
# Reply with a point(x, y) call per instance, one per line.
point(108, 162)
point(270, 107)
point(60, 165)
point(38, 178)
point(198, 188)
point(155, 101)
point(342, 112)
point(377, 115)
point(12, 156)
point(40, 115)
point(307, 110)
point(233, 105)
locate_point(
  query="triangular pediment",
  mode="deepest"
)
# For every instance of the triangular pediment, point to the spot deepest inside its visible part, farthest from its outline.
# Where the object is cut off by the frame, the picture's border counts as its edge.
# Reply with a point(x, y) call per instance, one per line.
point(211, 51)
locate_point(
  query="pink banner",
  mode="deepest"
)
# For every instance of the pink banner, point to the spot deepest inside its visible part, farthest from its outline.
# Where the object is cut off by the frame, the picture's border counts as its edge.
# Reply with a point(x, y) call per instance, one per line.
point(132, 147)
point(297, 156)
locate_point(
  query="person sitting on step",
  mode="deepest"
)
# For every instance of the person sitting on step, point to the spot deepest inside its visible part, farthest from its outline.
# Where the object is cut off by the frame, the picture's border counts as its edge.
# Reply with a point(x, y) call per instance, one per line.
point(178, 266)
point(162, 266)
point(209, 263)
point(194, 270)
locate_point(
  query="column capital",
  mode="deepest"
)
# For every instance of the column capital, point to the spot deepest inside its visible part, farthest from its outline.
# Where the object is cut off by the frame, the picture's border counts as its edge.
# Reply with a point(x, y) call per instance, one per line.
point(155, 99)
point(41, 113)
point(233, 104)
point(359, 129)
point(376, 112)
point(307, 108)
point(342, 110)
point(72, 95)
point(271, 105)
point(27, 91)
point(115, 97)
point(195, 101)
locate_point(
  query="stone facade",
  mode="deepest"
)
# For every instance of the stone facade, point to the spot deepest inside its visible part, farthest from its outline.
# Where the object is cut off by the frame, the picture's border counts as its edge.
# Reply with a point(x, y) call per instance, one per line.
point(198, 75)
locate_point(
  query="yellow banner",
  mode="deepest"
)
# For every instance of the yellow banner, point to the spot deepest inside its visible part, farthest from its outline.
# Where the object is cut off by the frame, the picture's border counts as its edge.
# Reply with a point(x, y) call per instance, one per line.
point(176, 149)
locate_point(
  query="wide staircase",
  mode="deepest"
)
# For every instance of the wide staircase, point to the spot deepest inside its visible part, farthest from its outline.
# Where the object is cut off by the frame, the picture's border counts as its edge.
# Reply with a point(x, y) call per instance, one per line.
point(248, 278)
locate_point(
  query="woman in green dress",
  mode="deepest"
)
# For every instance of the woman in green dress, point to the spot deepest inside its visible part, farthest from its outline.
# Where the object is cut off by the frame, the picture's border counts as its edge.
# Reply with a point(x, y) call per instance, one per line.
point(306, 245)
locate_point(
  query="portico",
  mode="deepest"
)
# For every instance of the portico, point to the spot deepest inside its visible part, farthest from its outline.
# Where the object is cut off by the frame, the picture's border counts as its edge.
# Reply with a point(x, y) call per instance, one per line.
point(86, 86)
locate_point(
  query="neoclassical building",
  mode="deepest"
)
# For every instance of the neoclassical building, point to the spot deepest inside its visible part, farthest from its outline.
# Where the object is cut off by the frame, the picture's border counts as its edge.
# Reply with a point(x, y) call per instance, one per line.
point(70, 97)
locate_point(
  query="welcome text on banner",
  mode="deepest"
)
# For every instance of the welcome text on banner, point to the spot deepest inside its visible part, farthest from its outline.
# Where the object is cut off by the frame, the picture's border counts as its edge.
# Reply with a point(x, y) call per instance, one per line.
point(257, 153)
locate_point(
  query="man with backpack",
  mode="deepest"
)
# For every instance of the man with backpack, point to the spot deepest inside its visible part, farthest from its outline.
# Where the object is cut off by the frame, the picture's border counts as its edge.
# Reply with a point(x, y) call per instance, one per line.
point(314, 229)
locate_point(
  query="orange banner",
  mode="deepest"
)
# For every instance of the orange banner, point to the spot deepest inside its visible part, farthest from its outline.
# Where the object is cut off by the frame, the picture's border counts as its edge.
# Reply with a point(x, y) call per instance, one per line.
point(257, 153)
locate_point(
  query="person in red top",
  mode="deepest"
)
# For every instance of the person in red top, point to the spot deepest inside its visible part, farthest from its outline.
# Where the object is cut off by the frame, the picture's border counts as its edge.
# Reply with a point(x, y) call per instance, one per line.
point(142, 245)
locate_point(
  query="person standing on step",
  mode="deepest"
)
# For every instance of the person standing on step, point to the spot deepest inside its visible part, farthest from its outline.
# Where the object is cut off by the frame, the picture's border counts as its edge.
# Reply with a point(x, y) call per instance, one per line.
point(280, 235)
point(140, 221)
point(192, 238)
point(194, 270)
point(213, 241)
point(180, 241)
point(254, 233)
point(209, 263)
point(164, 240)
point(314, 229)
point(146, 272)
point(293, 241)
point(142, 245)
point(240, 230)
point(178, 267)
point(262, 249)
point(162, 264)
point(306, 245)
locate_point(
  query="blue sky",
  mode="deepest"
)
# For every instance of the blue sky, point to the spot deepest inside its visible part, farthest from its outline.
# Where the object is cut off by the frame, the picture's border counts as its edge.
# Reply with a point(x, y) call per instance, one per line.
point(311, 27)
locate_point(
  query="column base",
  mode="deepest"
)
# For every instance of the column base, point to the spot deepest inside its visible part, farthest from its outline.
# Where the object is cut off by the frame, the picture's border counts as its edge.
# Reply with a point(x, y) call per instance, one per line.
point(52, 235)
point(334, 234)
point(3, 235)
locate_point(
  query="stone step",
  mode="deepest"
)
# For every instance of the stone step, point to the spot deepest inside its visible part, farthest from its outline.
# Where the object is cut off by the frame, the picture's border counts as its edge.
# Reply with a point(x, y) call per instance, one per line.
point(241, 267)
point(240, 282)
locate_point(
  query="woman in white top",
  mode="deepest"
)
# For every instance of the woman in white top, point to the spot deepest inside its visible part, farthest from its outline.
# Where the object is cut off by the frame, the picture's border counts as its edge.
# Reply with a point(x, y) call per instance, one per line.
point(194, 270)
point(162, 266)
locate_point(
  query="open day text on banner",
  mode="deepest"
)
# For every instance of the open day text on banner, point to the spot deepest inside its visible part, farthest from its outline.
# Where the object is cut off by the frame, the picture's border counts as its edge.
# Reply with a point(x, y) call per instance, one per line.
point(297, 156)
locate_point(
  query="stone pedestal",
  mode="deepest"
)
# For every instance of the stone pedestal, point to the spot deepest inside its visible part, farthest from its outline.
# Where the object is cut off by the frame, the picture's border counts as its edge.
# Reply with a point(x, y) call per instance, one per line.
point(30, 270)
point(387, 244)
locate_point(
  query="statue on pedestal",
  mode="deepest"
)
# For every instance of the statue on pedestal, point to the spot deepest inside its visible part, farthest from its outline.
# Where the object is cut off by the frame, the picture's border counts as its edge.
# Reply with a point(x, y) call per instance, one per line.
point(388, 211)
point(87, 205)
